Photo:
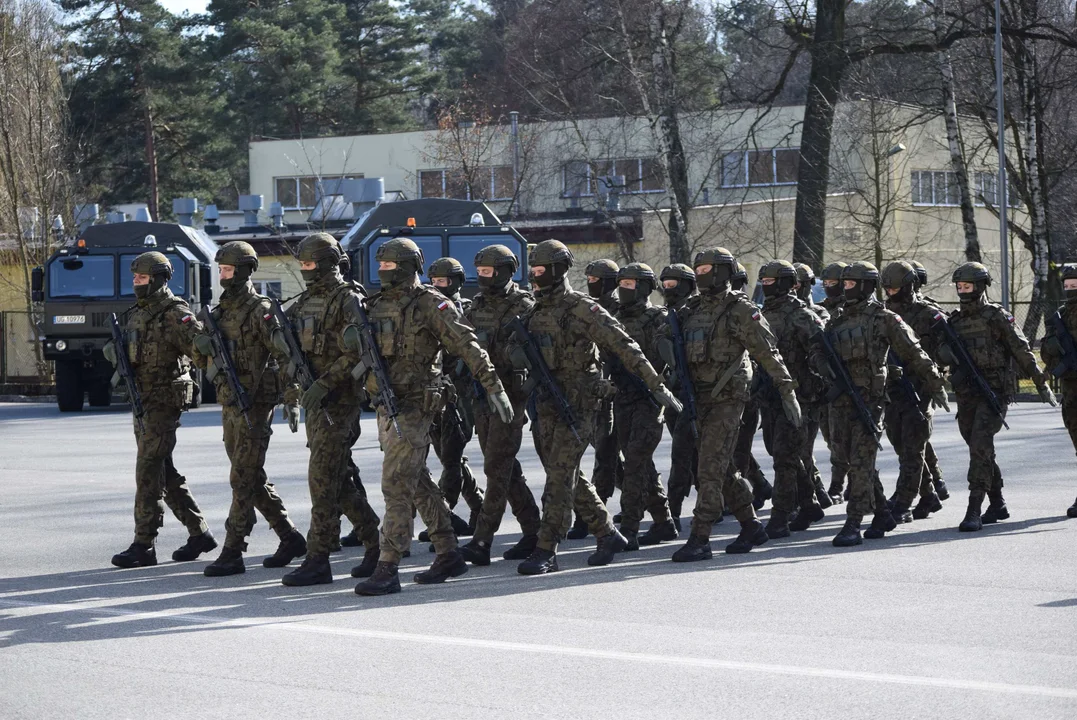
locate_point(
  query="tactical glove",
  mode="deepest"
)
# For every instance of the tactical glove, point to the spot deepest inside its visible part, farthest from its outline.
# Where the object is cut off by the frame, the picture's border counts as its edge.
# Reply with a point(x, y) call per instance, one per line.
point(500, 402)
point(941, 399)
point(792, 408)
point(1047, 396)
point(109, 351)
point(666, 399)
point(204, 345)
point(312, 398)
point(291, 414)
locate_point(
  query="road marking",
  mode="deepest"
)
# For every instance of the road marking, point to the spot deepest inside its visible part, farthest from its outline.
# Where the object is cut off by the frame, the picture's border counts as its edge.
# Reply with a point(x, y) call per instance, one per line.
point(560, 650)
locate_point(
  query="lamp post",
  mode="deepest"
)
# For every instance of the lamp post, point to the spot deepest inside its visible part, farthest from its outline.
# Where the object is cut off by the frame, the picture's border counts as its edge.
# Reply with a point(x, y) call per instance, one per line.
point(1003, 201)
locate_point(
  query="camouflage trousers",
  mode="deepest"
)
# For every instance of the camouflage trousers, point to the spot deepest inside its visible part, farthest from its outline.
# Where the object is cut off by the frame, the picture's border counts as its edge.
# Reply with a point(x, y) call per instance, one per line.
point(608, 472)
point(908, 430)
point(157, 483)
point(931, 463)
point(251, 490)
point(850, 438)
point(978, 426)
point(353, 502)
point(505, 481)
point(450, 436)
point(793, 486)
point(683, 458)
point(744, 461)
point(839, 465)
point(719, 427)
point(407, 486)
point(639, 430)
point(567, 488)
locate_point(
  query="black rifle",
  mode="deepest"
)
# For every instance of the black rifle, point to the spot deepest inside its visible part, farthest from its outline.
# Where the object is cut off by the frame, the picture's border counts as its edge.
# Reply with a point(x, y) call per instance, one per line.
point(684, 378)
point(541, 377)
point(906, 384)
point(373, 361)
point(123, 367)
point(967, 366)
point(298, 365)
point(843, 385)
point(222, 361)
point(1065, 340)
point(620, 376)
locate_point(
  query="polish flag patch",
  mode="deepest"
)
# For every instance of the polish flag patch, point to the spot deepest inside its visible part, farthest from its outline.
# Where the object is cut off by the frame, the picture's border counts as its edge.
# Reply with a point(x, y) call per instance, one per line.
point(267, 316)
point(186, 319)
point(443, 305)
point(595, 307)
point(755, 315)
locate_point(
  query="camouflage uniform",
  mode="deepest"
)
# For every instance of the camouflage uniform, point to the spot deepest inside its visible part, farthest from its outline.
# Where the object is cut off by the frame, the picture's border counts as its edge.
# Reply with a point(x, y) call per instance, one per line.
point(1053, 355)
point(839, 466)
point(683, 451)
point(805, 281)
point(608, 472)
point(159, 332)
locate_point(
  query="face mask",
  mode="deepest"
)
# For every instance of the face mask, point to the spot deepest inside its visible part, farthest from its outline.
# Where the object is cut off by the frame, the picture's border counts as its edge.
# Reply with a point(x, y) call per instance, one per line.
point(392, 278)
point(716, 280)
point(452, 289)
point(855, 293)
point(804, 291)
point(677, 294)
point(546, 279)
point(594, 289)
point(772, 290)
point(626, 296)
point(902, 296)
point(142, 291)
point(833, 291)
point(310, 276)
point(1071, 295)
point(229, 283)
point(738, 283)
point(969, 297)
point(502, 276)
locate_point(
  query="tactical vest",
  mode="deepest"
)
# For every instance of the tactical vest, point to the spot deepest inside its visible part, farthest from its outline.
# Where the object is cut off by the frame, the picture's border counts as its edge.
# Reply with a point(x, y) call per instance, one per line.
point(564, 342)
point(986, 348)
point(788, 336)
point(642, 324)
point(489, 314)
point(709, 344)
point(311, 313)
point(255, 365)
point(411, 349)
point(155, 360)
point(861, 349)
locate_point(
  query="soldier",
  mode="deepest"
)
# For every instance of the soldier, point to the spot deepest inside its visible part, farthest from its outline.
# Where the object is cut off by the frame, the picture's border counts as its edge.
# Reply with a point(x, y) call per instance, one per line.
point(454, 428)
point(743, 460)
point(794, 327)
point(637, 416)
point(1053, 353)
point(839, 466)
point(499, 300)
point(571, 329)
point(805, 282)
point(930, 458)
point(247, 324)
point(989, 334)
point(722, 331)
point(412, 323)
point(678, 285)
point(320, 316)
point(863, 335)
point(159, 332)
point(908, 419)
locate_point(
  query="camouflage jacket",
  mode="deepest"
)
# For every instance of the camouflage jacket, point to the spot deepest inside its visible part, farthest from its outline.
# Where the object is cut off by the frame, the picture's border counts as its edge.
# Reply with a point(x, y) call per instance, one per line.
point(919, 315)
point(820, 310)
point(832, 306)
point(644, 323)
point(992, 338)
point(794, 326)
point(159, 332)
point(1051, 351)
point(863, 336)
point(723, 333)
point(490, 313)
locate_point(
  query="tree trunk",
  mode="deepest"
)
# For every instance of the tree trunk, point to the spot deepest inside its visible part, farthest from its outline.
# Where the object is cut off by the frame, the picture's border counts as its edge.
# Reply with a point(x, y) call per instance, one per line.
point(957, 159)
point(151, 162)
point(1041, 242)
point(813, 178)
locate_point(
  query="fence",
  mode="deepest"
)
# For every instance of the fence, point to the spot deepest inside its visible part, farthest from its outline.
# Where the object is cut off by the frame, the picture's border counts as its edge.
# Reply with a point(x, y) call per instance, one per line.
point(20, 360)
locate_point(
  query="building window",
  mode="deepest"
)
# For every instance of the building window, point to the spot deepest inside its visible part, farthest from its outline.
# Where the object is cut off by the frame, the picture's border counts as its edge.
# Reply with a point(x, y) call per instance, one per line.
point(641, 175)
point(301, 193)
point(760, 168)
point(987, 189)
point(269, 288)
point(940, 187)
point(490, 183)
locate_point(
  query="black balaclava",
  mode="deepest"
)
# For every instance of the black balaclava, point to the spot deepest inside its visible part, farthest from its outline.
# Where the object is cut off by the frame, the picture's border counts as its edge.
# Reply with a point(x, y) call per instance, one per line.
point(157, 281)
point(973, 297)
point(1071, 295)
point(239, 278)
point(403, 273)
point(779, 287)
point(716, 281)
point(453, 288)
point(678, 293)
point(640, 293)
point(833, 291)
point(502, 276)
point(603, 286)
point(861, 291)
point(554, 274)
point(904, 295)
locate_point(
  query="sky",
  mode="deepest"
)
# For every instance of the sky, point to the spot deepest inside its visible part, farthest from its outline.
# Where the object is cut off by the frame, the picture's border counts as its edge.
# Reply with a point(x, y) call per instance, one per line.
point(179, 6)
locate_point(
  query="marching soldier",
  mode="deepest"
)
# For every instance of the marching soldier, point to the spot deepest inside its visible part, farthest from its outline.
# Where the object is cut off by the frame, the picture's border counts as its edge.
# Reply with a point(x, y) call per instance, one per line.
point(991, 338)
point(247, 324)
point(1057, 352)
point(839, 467)
point(930, 458)
point(159, 333)
point(805, 282)
point(412, 323)
point(743, 459)
point(678, 285)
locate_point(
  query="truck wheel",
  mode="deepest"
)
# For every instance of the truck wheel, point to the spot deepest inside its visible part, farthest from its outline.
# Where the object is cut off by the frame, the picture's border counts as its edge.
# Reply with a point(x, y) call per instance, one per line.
point(100, 395)
point(69, 394)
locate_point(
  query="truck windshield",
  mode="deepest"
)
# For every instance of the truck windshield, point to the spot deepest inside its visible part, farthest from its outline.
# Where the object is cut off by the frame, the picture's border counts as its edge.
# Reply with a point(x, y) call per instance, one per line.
point(178, 283)
point(83, 276)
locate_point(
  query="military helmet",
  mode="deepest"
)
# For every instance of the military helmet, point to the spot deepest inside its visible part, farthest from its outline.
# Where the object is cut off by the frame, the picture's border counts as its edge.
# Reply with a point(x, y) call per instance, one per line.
point(550, 252)
point(778, 269)
point(1069, 271)
point(636, 271)
point(834, 270)
point(400, 250)
point(860, 270)
point(603, 269)
point(678, 271)
point(898, 274)
point(446, 267)
point(319, 246)
point(740, 273)
point(972, 272)
point(495, 256)
point(238, 254)
point(152, 263)
point(714, 256)
point(921, 272)
point(805, 275)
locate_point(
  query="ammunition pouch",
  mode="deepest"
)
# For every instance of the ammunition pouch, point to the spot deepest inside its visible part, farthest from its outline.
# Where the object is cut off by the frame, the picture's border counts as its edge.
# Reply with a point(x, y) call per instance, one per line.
point(433, 400)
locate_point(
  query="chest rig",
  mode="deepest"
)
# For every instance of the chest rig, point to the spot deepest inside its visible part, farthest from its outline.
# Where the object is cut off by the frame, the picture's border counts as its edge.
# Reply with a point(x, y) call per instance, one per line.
point(148, 348)
point(403, 338)
point(563, 339)
point(857, 341)
point(238, 324)
point(709, 344)
point(986, 348)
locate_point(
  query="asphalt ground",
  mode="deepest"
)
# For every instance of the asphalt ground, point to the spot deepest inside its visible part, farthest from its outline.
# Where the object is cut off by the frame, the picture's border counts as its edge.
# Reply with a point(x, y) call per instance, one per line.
point(925, 623)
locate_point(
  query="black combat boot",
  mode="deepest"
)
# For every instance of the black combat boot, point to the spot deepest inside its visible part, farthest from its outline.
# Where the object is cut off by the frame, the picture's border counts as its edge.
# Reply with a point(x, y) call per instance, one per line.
point(694, 550)
point(996, 509)
point(608, 546)
point(849, 535)
point(460, 526)
point(291, 547)
point(522, 549)
point(476, 552)
point(1071, 511)
point(370, 560)
point(901, 512)
point(940, 488)
point(778, 525)
point(752, 534)
point(762, 491)
point(972, 522)
point(659, 532)
point(384, 581)
point(675, 513)
point(882, 523)
point(229, 563)
point(195, 546)
point(315, 570)
point(350, 540)
point(928, 504)
point(631, 539)
point(805, 517)
point(138, 555)
point(578, 530)
point(822, 497)
point(446, 565)
point(835, 492)
point(540, 562)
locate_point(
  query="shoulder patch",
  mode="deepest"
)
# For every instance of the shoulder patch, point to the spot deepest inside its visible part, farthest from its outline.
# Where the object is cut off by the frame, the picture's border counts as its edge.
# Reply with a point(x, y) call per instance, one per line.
point(186, 319)
point(443, 305)
point(756, 315)
point(595, 307)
